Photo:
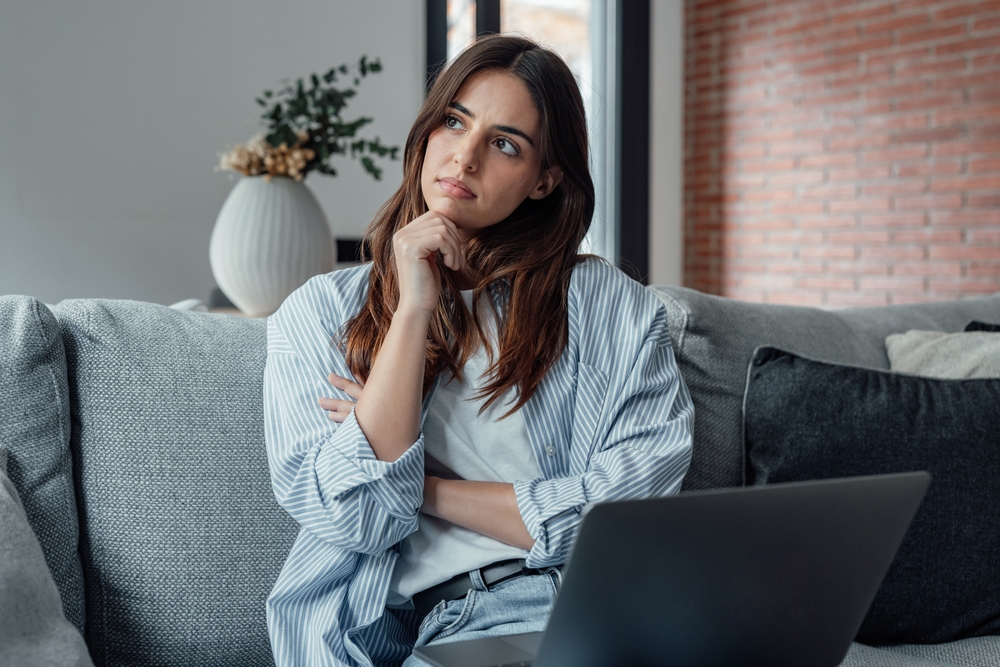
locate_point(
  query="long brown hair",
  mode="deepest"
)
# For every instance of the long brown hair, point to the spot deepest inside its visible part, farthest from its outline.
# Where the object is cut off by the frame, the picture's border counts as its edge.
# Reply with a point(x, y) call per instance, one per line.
point(530, 254)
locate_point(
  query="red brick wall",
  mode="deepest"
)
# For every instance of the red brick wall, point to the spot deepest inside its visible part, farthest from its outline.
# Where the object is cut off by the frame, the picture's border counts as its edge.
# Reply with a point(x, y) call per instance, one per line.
point(842, 153)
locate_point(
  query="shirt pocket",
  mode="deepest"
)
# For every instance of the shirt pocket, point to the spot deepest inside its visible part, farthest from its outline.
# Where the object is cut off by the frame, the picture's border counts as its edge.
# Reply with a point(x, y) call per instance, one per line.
point(588, 411)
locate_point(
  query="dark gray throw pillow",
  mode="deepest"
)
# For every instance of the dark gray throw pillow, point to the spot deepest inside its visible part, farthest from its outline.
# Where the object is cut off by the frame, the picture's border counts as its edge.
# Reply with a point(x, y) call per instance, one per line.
point(976, 325)
point(806, 419)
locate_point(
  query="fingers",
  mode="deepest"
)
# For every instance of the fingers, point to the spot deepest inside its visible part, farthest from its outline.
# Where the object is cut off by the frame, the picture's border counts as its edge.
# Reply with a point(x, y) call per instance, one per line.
point(336, 409)
point(433, 232)
point(352, 389)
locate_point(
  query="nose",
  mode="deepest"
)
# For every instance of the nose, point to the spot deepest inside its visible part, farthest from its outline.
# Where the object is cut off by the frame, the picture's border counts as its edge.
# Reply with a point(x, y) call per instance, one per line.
point(467, 153)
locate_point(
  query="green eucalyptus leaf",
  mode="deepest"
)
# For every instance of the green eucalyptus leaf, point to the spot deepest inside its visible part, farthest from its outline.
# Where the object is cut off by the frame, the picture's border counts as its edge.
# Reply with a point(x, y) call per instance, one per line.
point(371, 168)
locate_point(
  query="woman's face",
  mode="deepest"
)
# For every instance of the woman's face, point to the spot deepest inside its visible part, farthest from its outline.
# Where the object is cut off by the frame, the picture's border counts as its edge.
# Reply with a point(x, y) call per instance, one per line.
point(484, 160)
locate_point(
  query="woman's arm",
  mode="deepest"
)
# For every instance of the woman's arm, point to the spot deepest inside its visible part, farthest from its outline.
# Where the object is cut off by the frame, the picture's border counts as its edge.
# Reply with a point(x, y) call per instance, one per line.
point(388, 409)
point(489, 508)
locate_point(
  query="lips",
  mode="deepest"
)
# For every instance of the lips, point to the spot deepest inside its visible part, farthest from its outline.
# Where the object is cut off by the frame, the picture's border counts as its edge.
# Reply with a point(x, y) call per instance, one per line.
point(455, 188)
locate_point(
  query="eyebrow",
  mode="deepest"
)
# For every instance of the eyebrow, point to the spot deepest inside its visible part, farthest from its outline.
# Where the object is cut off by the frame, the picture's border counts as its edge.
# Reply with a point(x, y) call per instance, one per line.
point(502, 128)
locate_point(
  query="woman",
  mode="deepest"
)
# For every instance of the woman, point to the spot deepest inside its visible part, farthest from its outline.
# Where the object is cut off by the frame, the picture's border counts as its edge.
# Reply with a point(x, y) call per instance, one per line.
point(490, 383)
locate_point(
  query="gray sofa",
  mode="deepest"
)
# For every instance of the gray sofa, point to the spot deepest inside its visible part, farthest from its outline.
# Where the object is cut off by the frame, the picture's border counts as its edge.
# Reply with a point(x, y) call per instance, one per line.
point(133, 435)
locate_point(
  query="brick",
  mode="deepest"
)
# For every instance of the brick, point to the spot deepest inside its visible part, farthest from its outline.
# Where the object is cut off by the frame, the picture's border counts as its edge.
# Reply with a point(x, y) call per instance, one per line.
point(899, 90)
point(966, 183)
point(965, 81)
point(856, 141)
point(831, 68)
point(927, 269)
point(859, 237)
point(967, 10)
point(911, 36)
point(873, 27)
point(983, 25)
point(895, 154)
point(929, 202)
point(893, 220)
point(861, 46)
point(797, 208)
point(984, 166)
point(896, 120)
point(796, 146)
point(933, 68)
point(966, 148)
point(969, 45)
point(816, 283)
point(984, 201)
point(928, 237)
point(769, 195)
point(783, 164)
point(831, 192)
point(895, 188)
point(972, 113)
point(965, 252)
point(800, 27)
point(966, 218)
point(796, 237)
point(842, 206)
point(991, 236)
point(930, 168)
point(828, 160)
point(859, 173)
point(858, 267)
point(796, 177)
point(986, 61)
point(892, 252)
point(937, 134)
point(897, 56)
point(859, 15)
point(828, 222)
point(828, 252)
point(965, 287)
point(934, 101)
point(891, 283)
point(767, 281)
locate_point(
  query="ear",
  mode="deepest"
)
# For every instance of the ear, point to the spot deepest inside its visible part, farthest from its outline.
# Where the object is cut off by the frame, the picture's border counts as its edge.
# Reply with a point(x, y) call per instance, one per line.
point(550, 178)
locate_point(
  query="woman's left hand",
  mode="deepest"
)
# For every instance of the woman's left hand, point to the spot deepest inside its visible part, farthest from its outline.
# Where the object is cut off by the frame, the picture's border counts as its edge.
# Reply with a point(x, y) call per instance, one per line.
point(338, 409)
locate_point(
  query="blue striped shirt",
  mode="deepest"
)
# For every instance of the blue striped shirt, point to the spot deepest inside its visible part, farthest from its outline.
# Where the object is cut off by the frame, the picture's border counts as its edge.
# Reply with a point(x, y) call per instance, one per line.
point(611, 420)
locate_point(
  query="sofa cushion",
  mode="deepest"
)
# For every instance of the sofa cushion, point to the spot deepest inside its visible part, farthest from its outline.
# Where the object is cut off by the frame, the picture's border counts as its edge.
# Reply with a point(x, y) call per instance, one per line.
point(33, 629)
point(966, 354)
point(714, 339)
point(35, 433)
point(807, 419)
point(181, 538)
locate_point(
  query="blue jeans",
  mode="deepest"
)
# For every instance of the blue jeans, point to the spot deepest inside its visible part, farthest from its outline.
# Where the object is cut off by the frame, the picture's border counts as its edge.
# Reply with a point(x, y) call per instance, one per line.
point(514, 606)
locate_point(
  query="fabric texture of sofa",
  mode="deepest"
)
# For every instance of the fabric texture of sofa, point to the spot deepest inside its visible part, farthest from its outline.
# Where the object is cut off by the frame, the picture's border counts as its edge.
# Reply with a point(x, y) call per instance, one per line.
point(134, 437)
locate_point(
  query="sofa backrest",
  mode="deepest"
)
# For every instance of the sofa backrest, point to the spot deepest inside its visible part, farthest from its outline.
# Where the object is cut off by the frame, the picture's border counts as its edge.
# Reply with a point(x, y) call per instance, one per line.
point(181, 538)
point(714, 339)
point(35, 434)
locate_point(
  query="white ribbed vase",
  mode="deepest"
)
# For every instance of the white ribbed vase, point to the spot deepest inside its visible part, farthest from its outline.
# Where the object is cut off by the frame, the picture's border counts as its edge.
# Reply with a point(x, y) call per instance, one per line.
point(269, 239)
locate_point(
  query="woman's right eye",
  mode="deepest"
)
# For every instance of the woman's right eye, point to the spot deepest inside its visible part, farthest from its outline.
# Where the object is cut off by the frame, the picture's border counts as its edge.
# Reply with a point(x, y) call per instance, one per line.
point(453, 122)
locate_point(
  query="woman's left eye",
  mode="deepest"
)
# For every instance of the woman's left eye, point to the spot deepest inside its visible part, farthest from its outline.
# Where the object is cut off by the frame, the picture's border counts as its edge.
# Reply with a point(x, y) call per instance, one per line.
point(506, 147)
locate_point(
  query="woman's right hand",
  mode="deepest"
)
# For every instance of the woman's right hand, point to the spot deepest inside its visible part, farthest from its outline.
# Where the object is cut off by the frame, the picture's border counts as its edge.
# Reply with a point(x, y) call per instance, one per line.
point(416, 247)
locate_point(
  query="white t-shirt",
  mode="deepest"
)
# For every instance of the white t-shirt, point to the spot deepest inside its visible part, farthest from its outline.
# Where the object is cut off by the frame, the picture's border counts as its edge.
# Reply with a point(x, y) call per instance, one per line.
point(457, 439)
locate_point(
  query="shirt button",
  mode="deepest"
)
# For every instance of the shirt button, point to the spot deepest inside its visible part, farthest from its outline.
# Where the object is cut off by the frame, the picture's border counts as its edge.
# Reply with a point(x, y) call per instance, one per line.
point(550, 451)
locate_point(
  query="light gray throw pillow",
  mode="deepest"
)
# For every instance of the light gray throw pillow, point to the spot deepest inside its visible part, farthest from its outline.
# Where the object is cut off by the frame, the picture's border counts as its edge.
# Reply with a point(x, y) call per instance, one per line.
point(180, 535)
point(33, 629)
point(954, 356)
point(35, 431)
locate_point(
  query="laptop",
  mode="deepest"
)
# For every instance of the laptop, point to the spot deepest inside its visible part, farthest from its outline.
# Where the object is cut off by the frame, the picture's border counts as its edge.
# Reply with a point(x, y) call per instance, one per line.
point(779, 575)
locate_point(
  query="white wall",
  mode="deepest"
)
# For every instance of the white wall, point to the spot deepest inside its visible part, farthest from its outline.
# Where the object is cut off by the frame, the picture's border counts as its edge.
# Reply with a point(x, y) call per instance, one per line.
point(666, 168)
point(112, 113)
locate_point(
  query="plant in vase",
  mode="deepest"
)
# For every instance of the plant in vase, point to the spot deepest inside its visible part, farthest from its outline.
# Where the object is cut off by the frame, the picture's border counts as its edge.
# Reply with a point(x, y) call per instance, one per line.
point(271, 235)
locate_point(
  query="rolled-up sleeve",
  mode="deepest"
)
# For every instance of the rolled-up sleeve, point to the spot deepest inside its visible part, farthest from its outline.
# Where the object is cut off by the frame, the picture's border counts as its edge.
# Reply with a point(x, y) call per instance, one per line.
point(641, 449)
point(324, 474)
